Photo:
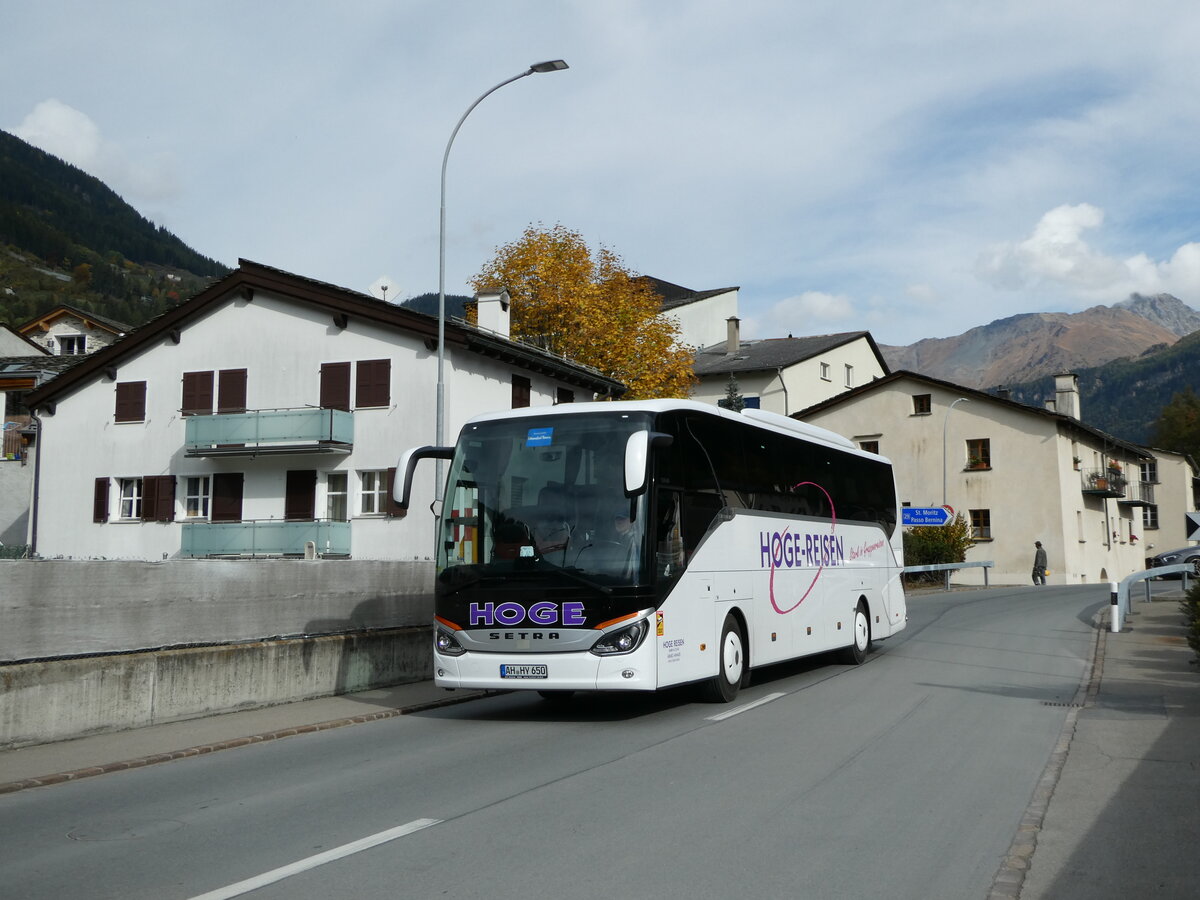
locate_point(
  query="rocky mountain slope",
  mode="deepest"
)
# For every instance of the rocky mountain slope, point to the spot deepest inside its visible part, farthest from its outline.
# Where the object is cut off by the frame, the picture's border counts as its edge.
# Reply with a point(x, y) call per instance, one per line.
point(1026, 347)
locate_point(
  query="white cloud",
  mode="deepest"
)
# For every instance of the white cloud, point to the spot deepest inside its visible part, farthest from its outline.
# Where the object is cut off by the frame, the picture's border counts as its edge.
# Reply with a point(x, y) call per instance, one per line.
point(71, 135)
point(811, 312)
point(1057, 254)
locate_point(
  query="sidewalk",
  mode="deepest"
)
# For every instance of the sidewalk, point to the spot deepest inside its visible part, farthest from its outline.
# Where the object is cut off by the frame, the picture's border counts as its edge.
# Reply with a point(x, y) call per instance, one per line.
point(95, 755)
point(1122, 817)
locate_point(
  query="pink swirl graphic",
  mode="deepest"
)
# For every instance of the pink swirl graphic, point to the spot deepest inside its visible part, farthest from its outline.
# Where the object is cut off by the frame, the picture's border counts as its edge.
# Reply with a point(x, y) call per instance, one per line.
point(820, 569)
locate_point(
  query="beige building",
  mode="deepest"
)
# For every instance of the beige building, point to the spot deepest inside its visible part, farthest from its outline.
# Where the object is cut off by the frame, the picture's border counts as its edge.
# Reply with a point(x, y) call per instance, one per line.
point(1017, 473)
point(1176, 493)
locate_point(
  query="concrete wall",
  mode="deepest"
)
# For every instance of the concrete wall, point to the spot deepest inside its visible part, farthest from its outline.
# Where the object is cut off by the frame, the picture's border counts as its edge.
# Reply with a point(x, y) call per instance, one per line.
point(52, 608)
point(41, 702)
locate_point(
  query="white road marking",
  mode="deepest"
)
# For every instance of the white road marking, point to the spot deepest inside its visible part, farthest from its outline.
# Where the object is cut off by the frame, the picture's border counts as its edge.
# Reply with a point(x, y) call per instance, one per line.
point(303, 865)
point(721, 717)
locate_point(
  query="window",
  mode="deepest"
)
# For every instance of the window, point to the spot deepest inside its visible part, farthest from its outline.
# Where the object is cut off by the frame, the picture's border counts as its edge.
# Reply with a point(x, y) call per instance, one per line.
point(131, 498)
point(372, 493)
point(372, 386)
point(72, 344)
point(849, 376)
point(869, 446)
point(335, 386)
point(979, 453)
point(100, 500)
point(375, 494)
point(131, 401)
point(197, 492)
point(520, 392)
point(563, 395)
point(231, 391)
point(1150, 517)
point(336, 508)
point(1150, 471)
point(922, 404)
point(751, 402)
point(825, 372)
point(197, 394)
point(981, 524)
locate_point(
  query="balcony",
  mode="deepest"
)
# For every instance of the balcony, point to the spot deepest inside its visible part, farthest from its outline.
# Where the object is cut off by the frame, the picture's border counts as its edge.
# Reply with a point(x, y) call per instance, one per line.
point(264, 538)
point(1103, 482)
point(1138, 493)
point(265, 432)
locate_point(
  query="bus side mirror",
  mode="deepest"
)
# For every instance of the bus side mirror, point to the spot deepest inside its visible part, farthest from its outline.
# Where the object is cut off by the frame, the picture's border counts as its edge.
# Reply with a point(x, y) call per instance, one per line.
point(402, 486)
point(637, 458)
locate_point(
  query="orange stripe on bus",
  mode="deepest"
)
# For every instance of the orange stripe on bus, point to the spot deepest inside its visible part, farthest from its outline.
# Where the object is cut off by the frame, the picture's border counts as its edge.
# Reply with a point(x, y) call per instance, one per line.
point(448, 623)
point(604, 625)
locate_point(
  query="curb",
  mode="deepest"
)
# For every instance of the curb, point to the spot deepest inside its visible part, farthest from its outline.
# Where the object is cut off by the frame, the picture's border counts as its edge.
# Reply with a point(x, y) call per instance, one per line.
point(13, 787)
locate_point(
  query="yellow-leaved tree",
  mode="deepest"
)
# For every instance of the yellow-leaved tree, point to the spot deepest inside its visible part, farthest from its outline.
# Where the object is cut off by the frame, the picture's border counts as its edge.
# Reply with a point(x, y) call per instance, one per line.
point(589, 308)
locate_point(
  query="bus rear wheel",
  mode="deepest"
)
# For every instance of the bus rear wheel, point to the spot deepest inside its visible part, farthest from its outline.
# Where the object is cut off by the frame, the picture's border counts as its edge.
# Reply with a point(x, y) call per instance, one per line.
point(731, 664)
point(861, 628)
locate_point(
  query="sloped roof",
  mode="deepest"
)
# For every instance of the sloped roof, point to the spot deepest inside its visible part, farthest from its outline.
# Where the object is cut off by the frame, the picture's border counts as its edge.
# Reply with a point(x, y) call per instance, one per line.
point(1061, 420)
point(776, 353)
point(674, 295)
point(35, 349)
point(64, 309)
point(342, 304)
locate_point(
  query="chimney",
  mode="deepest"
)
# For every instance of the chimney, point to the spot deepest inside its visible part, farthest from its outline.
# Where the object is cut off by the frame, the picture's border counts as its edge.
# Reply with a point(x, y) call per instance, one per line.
point(1066, 394)
point(733, 342)
point(492, 312)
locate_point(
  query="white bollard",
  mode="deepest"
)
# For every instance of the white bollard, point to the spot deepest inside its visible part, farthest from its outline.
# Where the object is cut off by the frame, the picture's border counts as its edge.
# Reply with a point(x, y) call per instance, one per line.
point(1115, 607)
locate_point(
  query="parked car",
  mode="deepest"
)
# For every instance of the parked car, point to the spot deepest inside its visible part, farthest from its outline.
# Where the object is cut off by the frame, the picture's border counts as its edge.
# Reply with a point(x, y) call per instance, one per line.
point(1177, 557)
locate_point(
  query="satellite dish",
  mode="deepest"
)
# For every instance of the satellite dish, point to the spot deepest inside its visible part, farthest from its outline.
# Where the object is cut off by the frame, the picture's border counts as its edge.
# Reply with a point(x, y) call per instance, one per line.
point(384, 288)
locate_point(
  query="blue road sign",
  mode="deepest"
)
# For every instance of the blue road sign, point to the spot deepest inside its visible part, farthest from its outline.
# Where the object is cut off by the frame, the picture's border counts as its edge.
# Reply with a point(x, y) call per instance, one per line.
point(925, 515)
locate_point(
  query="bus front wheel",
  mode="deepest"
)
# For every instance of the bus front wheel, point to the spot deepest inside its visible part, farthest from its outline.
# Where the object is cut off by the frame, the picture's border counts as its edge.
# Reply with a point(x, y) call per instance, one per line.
point(861, 628)
point(731, 664)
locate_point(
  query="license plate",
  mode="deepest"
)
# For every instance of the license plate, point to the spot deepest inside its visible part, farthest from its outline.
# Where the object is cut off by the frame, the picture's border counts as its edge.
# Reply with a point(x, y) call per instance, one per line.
point(524, 671)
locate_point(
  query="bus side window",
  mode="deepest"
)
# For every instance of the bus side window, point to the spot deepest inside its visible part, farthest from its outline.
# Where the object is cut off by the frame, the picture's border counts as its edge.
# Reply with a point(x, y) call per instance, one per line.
point(668, 537)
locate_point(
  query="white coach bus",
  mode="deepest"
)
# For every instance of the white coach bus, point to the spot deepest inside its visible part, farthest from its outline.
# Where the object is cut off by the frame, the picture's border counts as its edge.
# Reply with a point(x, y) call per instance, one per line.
point(640, 545)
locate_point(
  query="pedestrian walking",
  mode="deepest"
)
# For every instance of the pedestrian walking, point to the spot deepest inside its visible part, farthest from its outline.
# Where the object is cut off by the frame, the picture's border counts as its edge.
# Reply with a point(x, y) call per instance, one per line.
point(1039, 563)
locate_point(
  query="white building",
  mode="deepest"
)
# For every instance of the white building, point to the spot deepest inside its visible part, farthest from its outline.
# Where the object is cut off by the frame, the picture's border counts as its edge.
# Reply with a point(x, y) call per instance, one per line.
point(1018, 473)
point(783, 375)
point(67, 331)
point(700, 315)
point(264, 417)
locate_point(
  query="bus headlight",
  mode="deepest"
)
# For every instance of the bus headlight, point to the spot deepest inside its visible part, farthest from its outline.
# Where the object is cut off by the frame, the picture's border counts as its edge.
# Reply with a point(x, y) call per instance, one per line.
point(623, 640)
point(446, 643)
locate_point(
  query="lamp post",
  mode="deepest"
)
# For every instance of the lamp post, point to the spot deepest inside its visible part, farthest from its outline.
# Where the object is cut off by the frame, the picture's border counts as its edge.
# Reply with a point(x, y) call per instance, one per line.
point(553, 65)
point(944, 424)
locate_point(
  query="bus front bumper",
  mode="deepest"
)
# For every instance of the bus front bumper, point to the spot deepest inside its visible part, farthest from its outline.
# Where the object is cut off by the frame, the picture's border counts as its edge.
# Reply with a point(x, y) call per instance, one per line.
point(582, 671)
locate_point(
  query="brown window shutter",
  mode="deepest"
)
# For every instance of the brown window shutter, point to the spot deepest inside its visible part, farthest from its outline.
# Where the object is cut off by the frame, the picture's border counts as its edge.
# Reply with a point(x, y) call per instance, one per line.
point(520, 392)
point(197, 393)
point(231, 391)
point(335, 386)
point(227, 497)
point(158, 498)
point(373, 383)
point(300, 497)
point(100, 501)
point(131, 401)
point(390, 506)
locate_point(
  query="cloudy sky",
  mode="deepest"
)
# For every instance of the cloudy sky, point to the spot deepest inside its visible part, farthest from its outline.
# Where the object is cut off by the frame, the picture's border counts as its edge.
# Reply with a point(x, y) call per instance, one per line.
point(915, 169)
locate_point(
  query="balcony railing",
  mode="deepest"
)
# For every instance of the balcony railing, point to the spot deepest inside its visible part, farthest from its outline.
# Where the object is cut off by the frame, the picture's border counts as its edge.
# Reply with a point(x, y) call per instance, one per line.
point(264, 431)
point(1138, 493)
point(265, 538)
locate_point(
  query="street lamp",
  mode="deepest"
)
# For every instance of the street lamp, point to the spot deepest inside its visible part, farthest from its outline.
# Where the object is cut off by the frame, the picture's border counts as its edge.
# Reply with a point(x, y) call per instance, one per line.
point(553, 65)
point(944, 424)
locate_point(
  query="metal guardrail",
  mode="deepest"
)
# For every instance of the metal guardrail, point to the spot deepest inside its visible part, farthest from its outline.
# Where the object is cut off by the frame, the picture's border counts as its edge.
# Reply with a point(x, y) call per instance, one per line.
point(950, 567)
point(1120, 592)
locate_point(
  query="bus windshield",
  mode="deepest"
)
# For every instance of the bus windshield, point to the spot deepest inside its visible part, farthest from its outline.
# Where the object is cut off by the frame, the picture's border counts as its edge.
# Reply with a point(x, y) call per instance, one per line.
point(543, 492)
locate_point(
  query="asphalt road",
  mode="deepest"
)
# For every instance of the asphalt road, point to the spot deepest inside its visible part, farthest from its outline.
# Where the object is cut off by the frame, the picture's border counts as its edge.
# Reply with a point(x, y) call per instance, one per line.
point(903, 778)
